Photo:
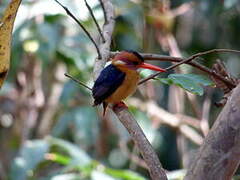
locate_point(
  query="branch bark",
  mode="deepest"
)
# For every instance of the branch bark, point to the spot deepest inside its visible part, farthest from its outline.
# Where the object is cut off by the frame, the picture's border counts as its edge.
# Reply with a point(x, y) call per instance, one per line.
point(172, 120)
point(104, 47)
point(219, 156)
point(145, 148)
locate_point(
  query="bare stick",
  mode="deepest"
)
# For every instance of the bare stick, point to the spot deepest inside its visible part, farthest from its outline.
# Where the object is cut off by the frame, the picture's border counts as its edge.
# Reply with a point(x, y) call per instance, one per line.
point(190, 59)
point(104, 11)
point(77, 81)
point(81, 25)
point(95, 21)
point(219, 156)
point(149, 155)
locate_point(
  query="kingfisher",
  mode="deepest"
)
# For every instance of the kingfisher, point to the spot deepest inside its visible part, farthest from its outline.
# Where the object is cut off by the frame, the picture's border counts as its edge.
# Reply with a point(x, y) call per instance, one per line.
point(119, 79)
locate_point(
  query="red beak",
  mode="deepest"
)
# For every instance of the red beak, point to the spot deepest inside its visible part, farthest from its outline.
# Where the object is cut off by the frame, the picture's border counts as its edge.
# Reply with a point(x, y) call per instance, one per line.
point(152, 67)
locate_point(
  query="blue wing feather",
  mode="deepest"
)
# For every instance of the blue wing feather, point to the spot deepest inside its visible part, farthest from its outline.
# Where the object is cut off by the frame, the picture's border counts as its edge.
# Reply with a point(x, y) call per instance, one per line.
point(108, 81)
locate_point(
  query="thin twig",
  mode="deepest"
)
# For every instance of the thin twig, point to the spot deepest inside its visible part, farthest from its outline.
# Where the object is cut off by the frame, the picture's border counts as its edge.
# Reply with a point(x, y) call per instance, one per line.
point(104, 11)
point(190, 59)
point(95, 21)
point(158, 57)
point(81, 25)
point(77, 81)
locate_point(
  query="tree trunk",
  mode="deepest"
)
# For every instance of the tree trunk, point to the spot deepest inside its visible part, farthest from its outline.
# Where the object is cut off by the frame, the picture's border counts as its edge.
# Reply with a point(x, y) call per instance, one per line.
point(219, 156)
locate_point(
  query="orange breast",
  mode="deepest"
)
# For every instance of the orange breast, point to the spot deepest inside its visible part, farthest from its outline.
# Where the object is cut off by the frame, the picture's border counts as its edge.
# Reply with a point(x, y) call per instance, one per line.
point(127, 88)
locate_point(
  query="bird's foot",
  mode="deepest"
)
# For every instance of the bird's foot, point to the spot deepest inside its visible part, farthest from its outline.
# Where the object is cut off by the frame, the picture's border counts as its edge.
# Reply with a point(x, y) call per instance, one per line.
point(119, 106)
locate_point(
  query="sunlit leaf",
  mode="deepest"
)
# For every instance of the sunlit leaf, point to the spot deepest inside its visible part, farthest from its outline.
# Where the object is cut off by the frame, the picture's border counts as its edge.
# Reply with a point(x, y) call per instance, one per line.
point(190, 82)
point(123, 174)
point(58, 158)
point(69, 176)
point(177, 174)
point(6, 27)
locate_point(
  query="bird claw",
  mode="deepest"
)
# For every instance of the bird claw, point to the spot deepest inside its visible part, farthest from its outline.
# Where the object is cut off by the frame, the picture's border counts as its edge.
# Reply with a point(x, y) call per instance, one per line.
point(119, 106)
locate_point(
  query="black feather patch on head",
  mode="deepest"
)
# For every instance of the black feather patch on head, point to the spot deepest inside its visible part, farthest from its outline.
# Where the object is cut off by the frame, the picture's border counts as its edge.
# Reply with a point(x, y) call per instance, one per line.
point(136, 54)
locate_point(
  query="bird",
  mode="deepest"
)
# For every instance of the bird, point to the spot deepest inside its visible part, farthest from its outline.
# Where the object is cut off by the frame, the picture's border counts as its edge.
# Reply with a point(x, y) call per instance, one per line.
point(119, 79)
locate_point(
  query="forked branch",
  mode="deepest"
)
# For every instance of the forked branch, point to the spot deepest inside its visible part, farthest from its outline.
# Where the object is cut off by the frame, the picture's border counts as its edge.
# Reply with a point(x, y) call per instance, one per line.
point(82, 27)
point(94, 19)
point(186, 61)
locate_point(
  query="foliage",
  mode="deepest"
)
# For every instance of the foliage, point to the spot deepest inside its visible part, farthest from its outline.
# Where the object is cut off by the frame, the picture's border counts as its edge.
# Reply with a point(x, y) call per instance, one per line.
point(189, 82)
point(73, 159)
point(48, 127)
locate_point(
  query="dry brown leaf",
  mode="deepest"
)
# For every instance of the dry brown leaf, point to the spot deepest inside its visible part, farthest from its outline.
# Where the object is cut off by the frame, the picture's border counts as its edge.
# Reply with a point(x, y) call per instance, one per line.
point(220, 68)
point(6, 27)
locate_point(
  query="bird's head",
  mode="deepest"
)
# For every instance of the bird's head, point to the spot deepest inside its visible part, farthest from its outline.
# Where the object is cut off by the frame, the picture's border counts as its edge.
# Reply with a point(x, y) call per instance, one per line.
point(133, 61)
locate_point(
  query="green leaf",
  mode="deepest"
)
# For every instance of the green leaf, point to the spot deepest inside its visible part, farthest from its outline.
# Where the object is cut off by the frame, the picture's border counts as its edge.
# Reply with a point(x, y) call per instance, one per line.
point(123, 174)
point(30, 155)
point(58, 158)
point(78, 156)
point(190, 82)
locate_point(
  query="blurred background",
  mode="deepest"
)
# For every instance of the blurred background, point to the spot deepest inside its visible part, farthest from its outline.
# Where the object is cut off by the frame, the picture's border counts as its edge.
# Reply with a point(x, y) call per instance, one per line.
point(48, 127)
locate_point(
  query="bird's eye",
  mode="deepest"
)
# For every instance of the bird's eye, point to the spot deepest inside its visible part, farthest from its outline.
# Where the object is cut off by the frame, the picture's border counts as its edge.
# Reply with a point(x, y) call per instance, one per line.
point(135, 62)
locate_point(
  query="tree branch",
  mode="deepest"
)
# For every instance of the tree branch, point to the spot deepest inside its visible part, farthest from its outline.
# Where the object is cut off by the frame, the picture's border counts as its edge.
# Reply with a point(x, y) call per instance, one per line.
point(194, 64)
point(139, 138)
point(185, 61)
point(81, 25)
point(95, 21)
point(158, 57)
point(219, 156)
point(104, 47)
point(172, 120)
point(104, 11)
point(77, 81)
